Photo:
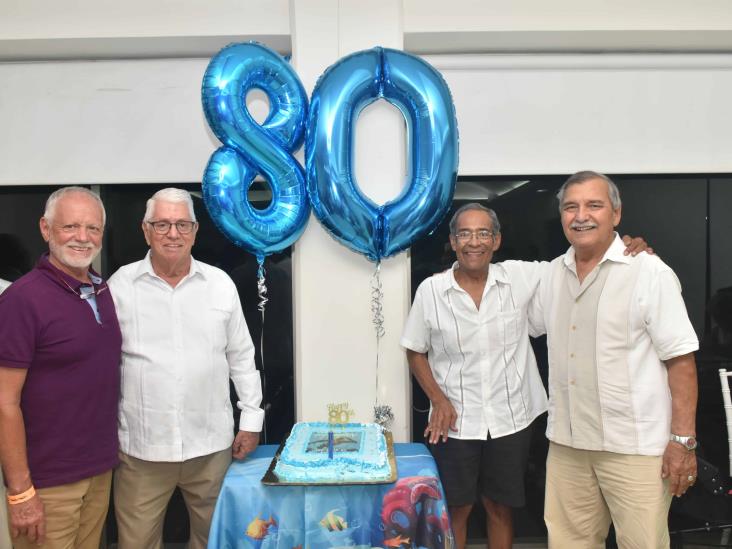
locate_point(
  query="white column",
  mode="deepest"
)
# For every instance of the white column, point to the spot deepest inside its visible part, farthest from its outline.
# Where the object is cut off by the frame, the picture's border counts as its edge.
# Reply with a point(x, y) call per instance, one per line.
point(336, 350)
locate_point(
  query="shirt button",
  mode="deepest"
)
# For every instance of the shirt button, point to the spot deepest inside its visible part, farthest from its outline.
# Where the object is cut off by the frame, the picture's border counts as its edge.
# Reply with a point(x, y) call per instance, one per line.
point(571, 382)
point(571, 355)
point(574, 328)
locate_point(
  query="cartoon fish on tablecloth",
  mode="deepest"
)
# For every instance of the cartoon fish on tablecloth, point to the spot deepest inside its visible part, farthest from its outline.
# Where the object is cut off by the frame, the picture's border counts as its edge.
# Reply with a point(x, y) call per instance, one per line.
point(333, 522)
point(397, 541)
point(258, 528)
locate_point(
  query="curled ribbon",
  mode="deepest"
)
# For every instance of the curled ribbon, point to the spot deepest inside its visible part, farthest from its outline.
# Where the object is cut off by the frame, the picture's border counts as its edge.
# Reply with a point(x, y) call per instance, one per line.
point(261, 287)
point(382, 412)
point(262, 292)
point(377, 307)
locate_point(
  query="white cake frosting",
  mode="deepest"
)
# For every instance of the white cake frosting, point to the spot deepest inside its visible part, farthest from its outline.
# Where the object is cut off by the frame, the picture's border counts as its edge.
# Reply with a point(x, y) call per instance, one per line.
point(359, 454)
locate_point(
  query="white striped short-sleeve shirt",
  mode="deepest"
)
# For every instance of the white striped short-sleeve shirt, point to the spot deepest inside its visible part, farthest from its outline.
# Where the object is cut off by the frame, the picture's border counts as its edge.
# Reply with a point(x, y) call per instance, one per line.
point(481, 357)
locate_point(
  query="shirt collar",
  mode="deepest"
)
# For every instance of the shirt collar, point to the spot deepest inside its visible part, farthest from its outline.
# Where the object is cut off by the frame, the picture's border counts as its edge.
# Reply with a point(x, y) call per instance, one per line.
point(495, 276)
point(145, 268)
point(44, 264)
point(616, 252)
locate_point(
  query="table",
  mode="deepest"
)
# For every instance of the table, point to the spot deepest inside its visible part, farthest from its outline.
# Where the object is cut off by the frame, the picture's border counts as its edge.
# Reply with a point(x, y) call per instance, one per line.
point(410, 512)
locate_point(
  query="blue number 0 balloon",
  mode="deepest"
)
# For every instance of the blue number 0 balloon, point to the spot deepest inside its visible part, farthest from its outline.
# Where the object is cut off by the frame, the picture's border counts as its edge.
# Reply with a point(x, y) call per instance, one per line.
point(250, 148)
point(423, 97)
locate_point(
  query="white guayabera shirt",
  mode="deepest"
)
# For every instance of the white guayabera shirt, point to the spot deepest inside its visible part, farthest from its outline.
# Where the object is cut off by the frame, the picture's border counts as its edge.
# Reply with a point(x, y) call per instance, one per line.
point(180, 346)
point(608, 337)
point(481, 357)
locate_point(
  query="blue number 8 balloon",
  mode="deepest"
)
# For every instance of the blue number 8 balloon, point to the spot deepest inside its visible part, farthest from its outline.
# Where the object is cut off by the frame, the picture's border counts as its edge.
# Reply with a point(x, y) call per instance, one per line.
point(423, 97)
point(250, 148)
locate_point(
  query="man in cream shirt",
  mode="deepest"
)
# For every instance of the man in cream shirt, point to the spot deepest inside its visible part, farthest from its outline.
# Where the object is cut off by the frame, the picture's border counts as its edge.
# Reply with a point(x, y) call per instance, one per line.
point(183, 337)
point(622, 380)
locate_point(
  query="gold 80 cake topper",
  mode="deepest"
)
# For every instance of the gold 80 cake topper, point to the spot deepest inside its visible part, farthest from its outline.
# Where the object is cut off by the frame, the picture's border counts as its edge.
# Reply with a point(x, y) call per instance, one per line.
point(339, 413)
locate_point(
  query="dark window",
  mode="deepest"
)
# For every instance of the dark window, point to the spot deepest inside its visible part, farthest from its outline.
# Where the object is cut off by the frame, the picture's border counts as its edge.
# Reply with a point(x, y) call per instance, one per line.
point(21, 243)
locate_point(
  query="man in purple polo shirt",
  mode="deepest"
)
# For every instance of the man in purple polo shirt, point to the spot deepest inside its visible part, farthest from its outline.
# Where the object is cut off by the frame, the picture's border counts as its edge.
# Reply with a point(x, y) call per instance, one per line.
point(59, 383)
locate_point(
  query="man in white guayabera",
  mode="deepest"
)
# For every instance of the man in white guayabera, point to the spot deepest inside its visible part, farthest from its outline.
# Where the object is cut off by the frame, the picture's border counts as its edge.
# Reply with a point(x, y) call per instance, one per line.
point(183, 337)
point(622, 380)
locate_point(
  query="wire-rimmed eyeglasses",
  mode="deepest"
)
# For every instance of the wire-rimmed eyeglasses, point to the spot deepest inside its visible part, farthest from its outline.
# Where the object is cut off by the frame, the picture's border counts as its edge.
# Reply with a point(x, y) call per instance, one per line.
point(483, 235)
point(163, 227)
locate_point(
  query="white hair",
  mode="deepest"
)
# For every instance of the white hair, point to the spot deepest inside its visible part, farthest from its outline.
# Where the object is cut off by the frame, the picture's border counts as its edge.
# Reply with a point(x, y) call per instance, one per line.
point(55, 196)
point(171, 194)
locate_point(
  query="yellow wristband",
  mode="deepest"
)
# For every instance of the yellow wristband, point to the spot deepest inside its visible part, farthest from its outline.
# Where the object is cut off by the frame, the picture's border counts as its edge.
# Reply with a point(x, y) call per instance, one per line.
point(22, 497)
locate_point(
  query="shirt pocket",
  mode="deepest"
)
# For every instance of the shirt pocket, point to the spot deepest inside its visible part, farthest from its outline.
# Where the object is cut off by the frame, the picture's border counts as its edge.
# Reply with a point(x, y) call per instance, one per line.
point(505, 330)
point(219, 314)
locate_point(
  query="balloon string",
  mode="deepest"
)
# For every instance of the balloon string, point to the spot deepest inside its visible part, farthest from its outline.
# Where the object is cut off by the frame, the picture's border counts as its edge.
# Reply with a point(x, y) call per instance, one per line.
point(377, 312)
point(261, 287)
point(262, 292)
point(377, 308)
point(383, 414)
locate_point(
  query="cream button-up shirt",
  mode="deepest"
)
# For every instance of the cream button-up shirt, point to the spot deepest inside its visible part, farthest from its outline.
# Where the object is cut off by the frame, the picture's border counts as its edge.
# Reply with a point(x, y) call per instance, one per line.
point(608, 337)
point(481, 357)
point(180, 347)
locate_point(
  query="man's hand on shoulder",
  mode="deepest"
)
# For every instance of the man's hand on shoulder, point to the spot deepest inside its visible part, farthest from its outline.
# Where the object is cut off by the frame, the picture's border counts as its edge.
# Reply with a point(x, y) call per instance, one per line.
point(679, 465)
point(28, 519)
point(244, 443)
point(634, 246)
point(442, 420)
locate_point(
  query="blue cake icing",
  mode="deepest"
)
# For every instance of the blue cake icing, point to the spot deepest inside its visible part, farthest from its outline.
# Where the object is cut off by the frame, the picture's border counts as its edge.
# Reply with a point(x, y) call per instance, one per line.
point(359, 454)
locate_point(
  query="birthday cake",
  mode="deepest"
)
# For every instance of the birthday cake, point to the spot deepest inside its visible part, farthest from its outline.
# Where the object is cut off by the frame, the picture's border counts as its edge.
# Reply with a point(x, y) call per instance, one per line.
point(334, 453)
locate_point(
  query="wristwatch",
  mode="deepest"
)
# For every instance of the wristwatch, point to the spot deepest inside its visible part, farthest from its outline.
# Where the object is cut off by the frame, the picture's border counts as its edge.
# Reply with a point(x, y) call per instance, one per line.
point(688, 442)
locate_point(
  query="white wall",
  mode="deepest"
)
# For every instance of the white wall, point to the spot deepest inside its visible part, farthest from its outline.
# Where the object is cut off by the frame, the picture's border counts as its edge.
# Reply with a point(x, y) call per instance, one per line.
point(93, 29)
point(557, 114)
point(103, 122)
point(337, 354)
point(435, 26)
point(141, 121)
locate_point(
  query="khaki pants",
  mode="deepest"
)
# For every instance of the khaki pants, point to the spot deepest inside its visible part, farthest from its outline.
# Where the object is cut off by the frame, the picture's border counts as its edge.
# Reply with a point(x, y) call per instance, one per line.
point(75, 514)
point(142, 490)
point(586, 490)
point(4, 532)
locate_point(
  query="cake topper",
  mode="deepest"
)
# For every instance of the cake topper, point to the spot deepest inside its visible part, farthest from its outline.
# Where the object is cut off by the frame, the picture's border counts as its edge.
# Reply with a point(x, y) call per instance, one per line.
point(339, 413)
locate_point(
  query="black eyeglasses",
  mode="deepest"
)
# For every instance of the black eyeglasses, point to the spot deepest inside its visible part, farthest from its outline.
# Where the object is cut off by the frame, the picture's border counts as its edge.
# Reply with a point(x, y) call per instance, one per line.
point(163, 227)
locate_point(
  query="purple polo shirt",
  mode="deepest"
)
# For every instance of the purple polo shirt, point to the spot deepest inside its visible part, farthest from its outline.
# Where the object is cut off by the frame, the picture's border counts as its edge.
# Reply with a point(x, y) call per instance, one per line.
point(69, 399)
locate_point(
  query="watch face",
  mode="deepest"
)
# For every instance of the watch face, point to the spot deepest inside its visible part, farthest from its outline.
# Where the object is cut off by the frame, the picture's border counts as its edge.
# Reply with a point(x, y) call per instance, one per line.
point(690, 443)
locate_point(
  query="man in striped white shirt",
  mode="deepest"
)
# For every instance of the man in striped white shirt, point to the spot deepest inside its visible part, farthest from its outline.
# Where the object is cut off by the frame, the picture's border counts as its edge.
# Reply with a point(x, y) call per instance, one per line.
point(468, 347)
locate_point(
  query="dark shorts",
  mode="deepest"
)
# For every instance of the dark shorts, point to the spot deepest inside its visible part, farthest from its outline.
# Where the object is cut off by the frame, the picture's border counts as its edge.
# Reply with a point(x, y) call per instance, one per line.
point(494, 468)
